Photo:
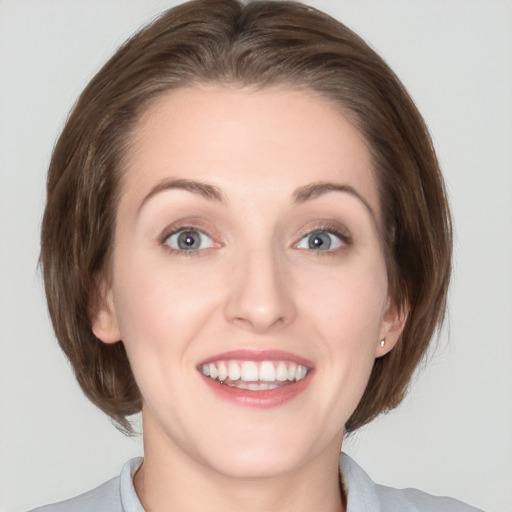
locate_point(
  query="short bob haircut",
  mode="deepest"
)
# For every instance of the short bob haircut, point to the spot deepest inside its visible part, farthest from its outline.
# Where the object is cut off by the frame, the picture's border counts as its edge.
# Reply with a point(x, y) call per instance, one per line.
point(259, 44)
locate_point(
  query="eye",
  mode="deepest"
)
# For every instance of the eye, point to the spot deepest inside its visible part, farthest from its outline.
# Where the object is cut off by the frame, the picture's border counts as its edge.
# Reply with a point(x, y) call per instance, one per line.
point(189, 240)
point(320, 240)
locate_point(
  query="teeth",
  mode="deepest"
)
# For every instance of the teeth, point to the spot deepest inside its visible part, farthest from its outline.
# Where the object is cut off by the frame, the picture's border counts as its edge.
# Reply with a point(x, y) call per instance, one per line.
point(301, 372)
point(233, 370)
point(267, 372)
point(249, 371)
point(223, 371)
point(252, 375)
point(267, 385)
point(282, 372)
point(212, 370)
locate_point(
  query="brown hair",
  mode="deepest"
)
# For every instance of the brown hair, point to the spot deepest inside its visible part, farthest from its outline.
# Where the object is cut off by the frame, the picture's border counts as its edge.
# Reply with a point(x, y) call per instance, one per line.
point(259, 44)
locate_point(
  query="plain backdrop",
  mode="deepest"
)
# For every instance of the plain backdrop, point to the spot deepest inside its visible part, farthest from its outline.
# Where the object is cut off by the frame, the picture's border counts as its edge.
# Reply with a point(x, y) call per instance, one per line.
point(453, 434)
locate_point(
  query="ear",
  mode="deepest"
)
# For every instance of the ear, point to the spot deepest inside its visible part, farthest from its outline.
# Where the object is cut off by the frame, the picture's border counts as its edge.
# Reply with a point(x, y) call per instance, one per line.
point(104, 320)
point(392, 325)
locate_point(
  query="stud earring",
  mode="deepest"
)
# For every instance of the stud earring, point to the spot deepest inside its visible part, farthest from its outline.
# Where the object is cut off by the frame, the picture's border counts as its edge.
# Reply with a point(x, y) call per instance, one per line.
point(382, 343)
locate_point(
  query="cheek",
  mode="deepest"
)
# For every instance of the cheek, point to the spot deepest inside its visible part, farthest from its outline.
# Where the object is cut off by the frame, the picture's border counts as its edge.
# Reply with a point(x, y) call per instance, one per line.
point(159, 302)
point(345, 311)
point(349, 303)
point(161, 312)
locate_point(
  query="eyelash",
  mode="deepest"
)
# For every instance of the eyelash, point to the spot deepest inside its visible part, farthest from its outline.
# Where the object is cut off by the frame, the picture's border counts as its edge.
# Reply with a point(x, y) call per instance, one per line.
point(177, 229)
point(332, 229)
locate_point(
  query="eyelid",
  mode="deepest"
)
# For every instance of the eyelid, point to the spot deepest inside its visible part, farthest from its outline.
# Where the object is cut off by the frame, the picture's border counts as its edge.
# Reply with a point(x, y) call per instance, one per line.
point(333, 228)
point(177, 234)
point(187, 225)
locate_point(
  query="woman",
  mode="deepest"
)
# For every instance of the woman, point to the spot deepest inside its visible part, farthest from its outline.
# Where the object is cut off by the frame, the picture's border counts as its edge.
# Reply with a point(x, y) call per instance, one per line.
point(247, 238)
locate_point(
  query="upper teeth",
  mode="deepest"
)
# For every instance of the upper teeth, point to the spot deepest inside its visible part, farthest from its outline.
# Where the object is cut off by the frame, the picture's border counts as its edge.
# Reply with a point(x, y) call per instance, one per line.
point(251, 371)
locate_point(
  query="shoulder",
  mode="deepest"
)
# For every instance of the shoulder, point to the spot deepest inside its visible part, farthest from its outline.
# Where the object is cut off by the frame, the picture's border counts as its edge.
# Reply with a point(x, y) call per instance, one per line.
point(414, 500)
point(104, 498)
point(116, 495)
point(365, 495)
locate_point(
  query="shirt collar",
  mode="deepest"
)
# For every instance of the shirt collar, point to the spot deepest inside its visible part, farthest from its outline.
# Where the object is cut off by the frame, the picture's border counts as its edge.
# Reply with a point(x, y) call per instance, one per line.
point(359, 487)
point(129, 499)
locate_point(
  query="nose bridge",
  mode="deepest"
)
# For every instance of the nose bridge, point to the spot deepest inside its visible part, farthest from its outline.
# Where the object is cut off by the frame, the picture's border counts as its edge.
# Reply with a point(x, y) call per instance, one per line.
point(259, 297)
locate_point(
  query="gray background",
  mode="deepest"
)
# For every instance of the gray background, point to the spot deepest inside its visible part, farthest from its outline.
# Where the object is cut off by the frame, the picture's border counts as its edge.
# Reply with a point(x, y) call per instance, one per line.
point(453, 434)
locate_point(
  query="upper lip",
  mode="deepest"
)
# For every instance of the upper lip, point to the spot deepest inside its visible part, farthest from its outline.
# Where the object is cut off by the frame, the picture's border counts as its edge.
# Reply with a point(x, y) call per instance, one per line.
point(258, 355)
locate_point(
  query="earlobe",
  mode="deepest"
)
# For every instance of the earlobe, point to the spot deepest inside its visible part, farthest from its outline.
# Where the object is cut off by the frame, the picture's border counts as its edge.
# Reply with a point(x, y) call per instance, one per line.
point(104, 322)
point(393, 324)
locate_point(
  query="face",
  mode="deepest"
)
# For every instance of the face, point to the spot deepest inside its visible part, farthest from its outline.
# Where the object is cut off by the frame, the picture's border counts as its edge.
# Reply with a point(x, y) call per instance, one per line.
point(249, 284)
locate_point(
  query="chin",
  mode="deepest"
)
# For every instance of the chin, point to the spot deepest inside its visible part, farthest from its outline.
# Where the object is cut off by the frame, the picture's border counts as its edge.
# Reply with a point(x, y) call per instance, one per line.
point(256, 465)
point(260, 457)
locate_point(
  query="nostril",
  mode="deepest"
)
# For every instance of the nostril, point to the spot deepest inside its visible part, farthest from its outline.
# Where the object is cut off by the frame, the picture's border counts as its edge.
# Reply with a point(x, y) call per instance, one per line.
point(258, 323)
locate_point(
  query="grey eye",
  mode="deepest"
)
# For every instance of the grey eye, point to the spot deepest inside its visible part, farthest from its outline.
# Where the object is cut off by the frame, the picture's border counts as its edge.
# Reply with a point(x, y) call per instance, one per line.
point(320, 241)
point(189, 240)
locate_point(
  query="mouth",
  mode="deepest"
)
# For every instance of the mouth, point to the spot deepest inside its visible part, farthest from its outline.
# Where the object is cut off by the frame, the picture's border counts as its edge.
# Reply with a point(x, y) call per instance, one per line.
point(258, 379)
point(253, 375)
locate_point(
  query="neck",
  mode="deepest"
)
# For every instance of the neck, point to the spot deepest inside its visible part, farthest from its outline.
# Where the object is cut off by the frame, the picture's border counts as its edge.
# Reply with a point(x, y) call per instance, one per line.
point(171, 480)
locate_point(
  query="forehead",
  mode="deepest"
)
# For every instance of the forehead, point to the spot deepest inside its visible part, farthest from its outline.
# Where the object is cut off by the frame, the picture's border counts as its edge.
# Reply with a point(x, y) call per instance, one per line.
point(265, 142)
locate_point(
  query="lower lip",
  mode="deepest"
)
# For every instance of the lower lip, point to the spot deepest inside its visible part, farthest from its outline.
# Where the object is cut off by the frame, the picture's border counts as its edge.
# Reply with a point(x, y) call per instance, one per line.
point(260, 398)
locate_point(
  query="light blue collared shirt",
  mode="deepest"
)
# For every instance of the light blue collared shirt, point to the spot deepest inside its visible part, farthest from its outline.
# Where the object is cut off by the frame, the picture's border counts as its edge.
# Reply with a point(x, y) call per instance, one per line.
point(363, 495)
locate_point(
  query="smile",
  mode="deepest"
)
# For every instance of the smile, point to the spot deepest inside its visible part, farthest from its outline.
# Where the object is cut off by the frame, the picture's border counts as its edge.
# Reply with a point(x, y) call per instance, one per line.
point(254, 376)
point(258, 379)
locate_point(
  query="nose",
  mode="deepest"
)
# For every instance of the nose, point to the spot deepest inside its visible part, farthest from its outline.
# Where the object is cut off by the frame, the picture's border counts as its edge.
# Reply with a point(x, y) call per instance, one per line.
point(260, 293)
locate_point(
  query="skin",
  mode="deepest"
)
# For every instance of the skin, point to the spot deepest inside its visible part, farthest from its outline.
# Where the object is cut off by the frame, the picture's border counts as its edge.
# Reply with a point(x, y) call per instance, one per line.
point(254, 284)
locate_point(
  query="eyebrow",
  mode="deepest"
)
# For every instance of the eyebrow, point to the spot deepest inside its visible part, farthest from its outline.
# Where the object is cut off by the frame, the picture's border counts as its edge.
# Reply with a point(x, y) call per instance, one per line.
point(206, 190)
point(213, 193)
point(315, 190)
